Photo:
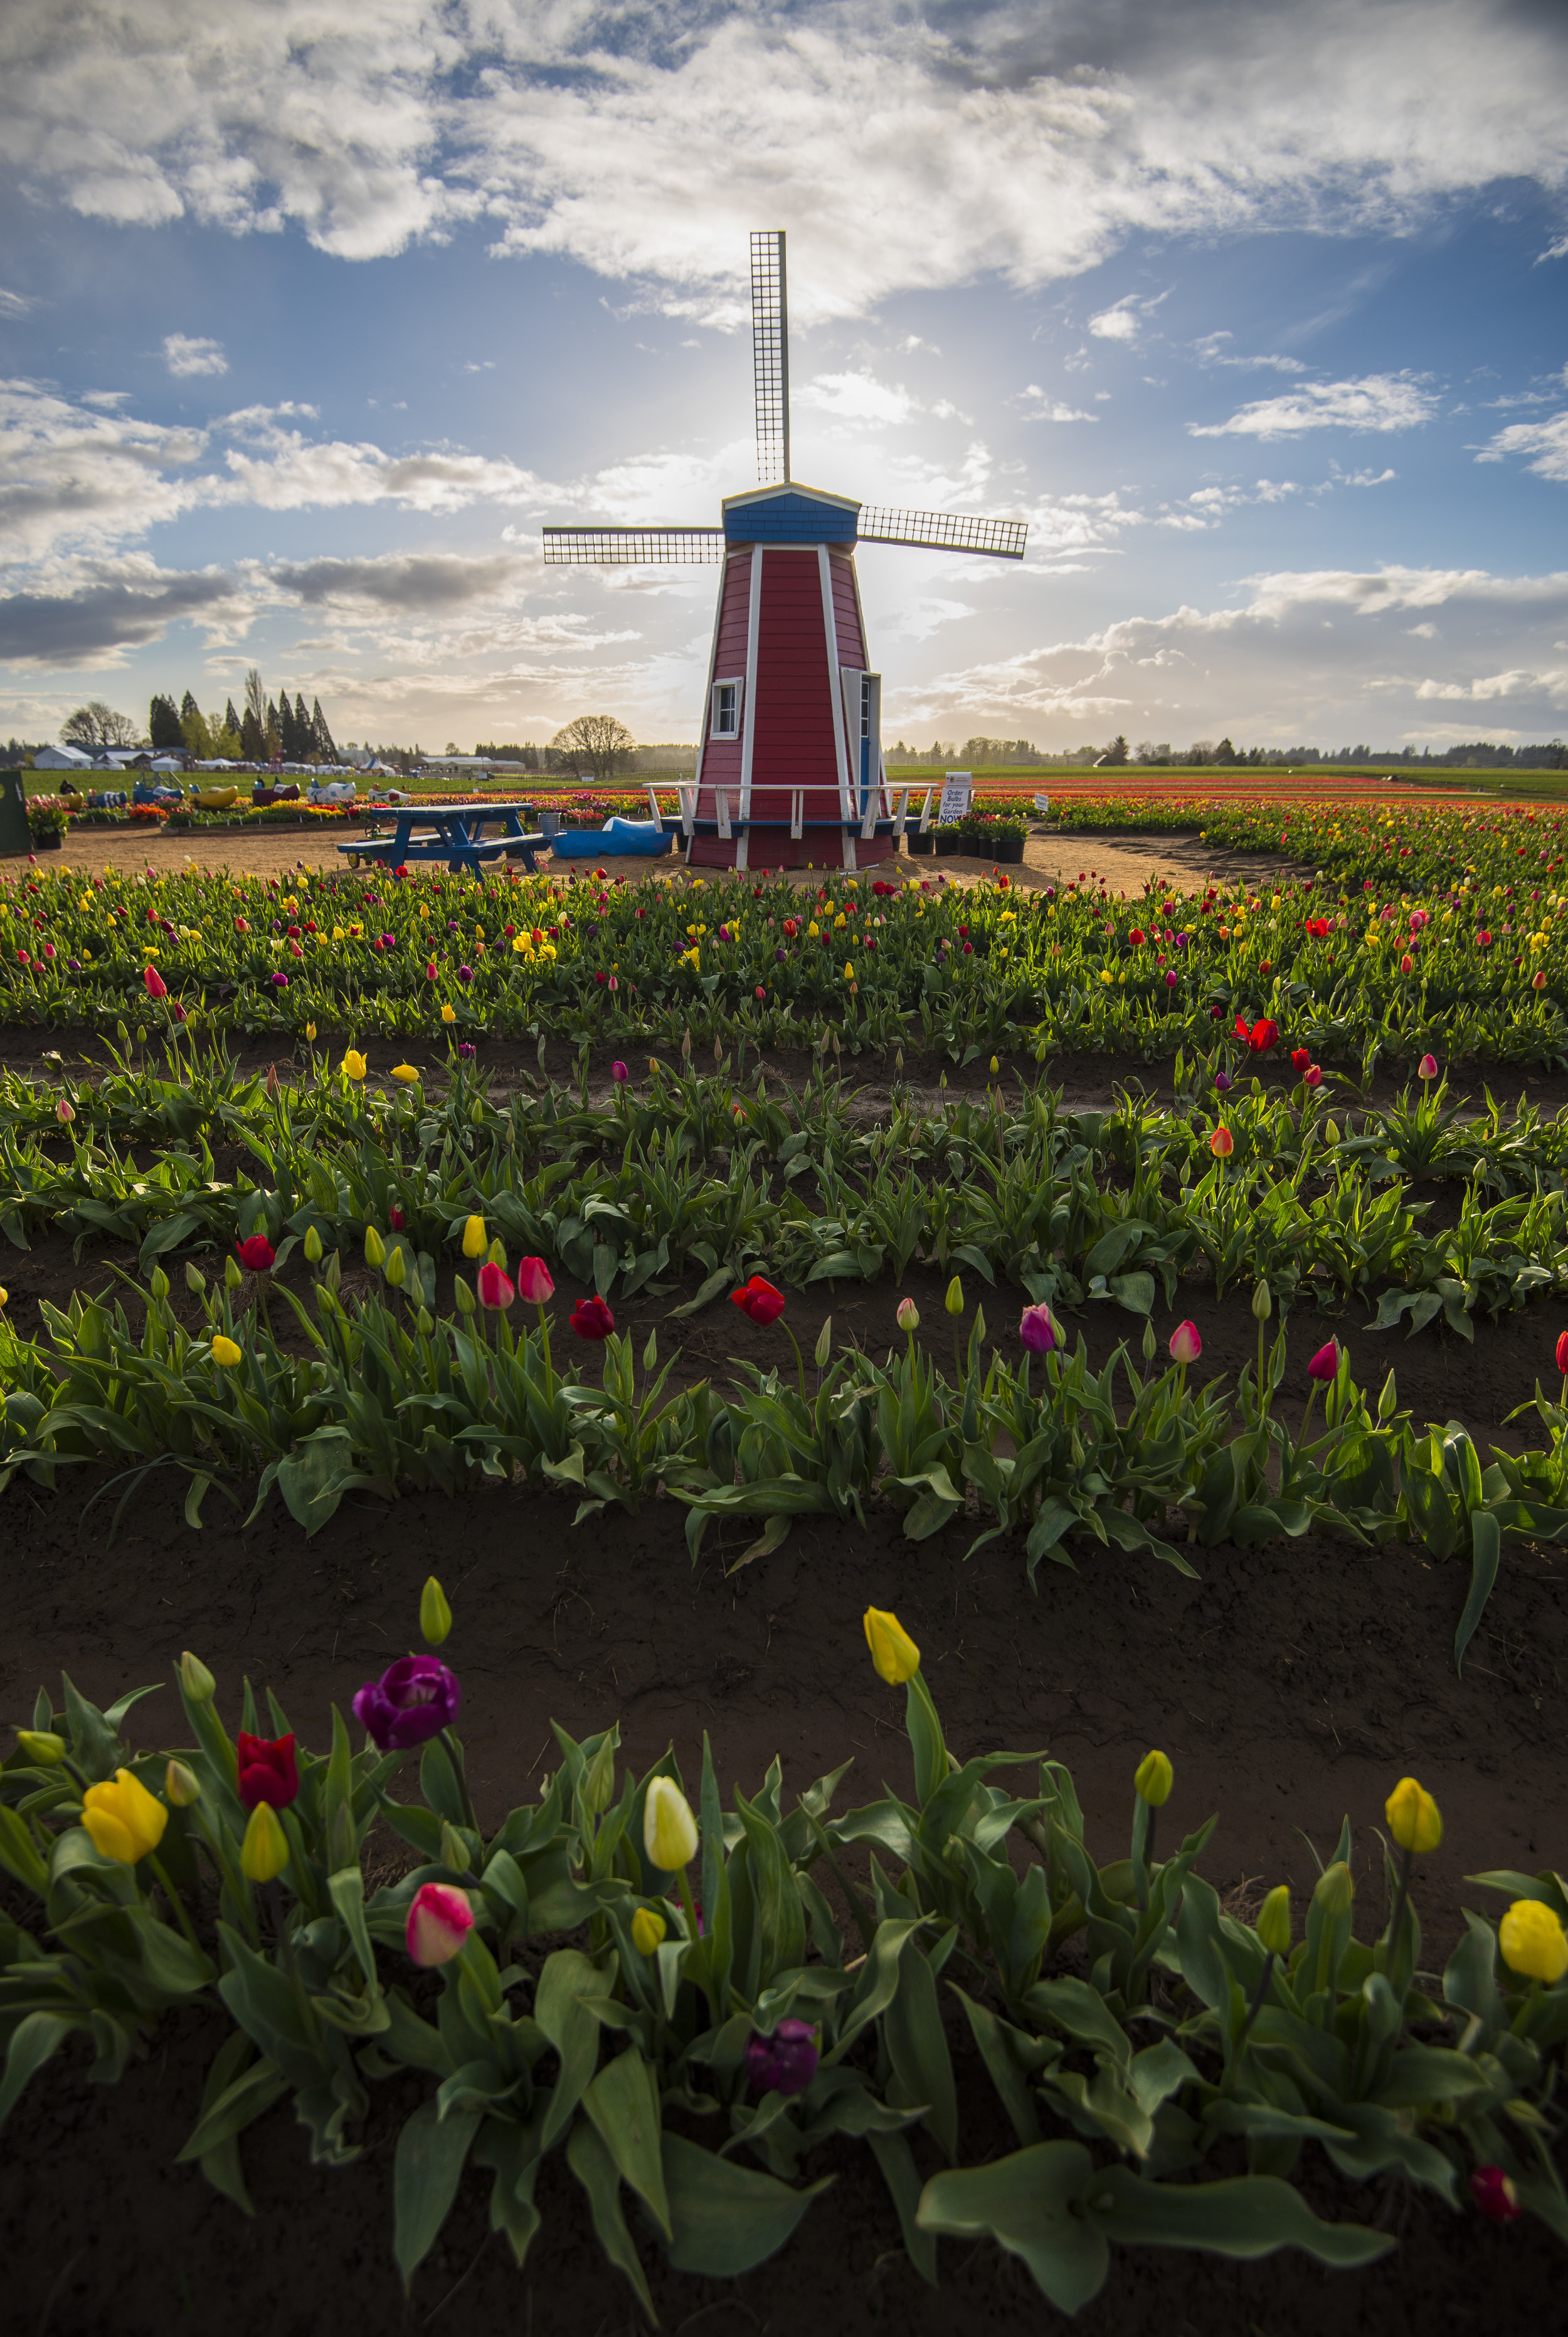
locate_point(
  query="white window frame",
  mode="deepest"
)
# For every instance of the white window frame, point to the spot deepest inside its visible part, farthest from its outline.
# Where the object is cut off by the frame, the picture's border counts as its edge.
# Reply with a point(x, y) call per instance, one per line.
point(726, 681)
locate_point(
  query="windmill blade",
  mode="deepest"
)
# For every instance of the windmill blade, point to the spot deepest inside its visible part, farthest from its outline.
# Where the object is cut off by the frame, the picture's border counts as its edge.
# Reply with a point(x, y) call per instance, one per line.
point(999, 539)
point(629, 547)
point(770, 355)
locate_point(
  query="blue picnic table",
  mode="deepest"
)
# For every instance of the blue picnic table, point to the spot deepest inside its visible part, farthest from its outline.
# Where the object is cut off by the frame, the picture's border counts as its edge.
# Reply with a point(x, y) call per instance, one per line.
point(451, 832)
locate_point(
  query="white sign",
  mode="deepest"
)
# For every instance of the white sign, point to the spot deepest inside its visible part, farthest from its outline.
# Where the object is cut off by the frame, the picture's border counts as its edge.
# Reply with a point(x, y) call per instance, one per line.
point(1042, 802)
point(956, 788)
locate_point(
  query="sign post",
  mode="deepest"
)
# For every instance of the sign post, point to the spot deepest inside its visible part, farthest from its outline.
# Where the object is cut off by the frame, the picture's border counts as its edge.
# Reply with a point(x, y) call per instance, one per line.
point(956, 788)
point(16, 836)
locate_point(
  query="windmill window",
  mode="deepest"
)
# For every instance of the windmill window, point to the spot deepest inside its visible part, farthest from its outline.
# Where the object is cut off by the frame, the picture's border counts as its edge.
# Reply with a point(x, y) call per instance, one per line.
point(726, 723)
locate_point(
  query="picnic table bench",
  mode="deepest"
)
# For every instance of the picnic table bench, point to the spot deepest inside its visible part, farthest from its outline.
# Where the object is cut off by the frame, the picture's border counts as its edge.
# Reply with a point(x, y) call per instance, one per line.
point(451, 832)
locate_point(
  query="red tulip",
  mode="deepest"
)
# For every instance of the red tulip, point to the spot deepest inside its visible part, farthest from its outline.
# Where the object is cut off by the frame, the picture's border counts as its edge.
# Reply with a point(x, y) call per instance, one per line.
point(758, 1301)
point(1300, 1058)
point(155, 984)
point(1325, 1363)
point(267, 1770)
point(496, 1286)
point(1563, 1354)
point(1494, 2193)
point(1262, 1035)
point(256, 1255)
point(534, 1284)
point(591, 1319)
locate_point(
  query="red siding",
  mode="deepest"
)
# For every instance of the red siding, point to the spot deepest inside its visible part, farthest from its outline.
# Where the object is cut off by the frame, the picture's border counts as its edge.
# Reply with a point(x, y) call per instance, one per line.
point(793, 744)
point(721, 757)
point(852, 647)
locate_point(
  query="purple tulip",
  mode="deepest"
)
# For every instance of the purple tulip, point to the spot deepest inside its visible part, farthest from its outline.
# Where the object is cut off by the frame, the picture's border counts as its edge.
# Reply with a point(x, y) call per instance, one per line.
point(280, 982)
point(464, 1051)
point(1223, 1082)
point(1036, 1330)
point(465, 973)
point(415, 1698)
point(784, 2063)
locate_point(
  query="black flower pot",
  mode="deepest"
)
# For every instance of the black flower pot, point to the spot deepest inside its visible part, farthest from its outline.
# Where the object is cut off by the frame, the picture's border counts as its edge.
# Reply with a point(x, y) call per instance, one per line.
point(919, 846)
point(949, 841)
point(1010, 851)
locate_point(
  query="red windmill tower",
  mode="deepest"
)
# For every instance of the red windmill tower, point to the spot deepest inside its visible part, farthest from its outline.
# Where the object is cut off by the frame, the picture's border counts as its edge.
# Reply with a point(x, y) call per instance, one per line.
point(790, 763)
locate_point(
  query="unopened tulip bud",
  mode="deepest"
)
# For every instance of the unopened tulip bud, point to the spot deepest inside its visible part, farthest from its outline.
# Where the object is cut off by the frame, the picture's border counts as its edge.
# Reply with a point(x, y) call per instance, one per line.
point(909, 1315)
point(1274, 1921)
point(195, 1280)
point(648, 1929)
point(440, 1920)
point(1186, 1345)
point(312, 1246)
point(63, 1112)
point(1533, 1941)
point(669, 1827)
point(374, 1247)
point(1262, 1303)
point(434, 1614)
point(1330, 1131)
point(264, 1852)
point(1150, 1344)
point(994, 1065)
point(496, 1253)
point(157, 1284)
point(1152, 1779)
point(182, 1785)
point(893, 1652)
point(1335, 1889)
point(1414, 1818)
point(42, 1747)
point(476, 1240)
point(980, 1327)
point(397, 1268)
point(453, 1849)
point(1428, 1068)
point(232, 1273)
point(195, 1680)
point(466, 1302)
point(825, 1346)
point(954, 1301)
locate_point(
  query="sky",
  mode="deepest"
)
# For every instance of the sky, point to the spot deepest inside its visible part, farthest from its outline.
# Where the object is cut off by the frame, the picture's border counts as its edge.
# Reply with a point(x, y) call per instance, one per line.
point(1255, 310)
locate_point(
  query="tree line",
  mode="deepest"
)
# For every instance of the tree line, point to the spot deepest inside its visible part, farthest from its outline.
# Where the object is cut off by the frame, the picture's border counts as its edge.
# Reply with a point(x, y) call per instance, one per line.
point(269, 731)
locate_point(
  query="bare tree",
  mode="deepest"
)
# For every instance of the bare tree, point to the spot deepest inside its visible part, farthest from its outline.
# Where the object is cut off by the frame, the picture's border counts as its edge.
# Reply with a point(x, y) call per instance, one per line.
point(96, 725)
point(256, 698)
point(598, 740)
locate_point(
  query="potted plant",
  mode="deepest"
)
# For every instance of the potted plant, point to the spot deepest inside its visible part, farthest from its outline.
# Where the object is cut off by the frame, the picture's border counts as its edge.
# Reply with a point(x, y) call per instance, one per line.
point(46, 824)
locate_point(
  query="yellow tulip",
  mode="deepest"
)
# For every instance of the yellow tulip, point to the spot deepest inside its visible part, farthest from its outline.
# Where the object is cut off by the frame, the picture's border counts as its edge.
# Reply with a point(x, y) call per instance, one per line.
point(181, 1785)
point(264, 1852)
point(124, 1820)
point(476, 1240)
point(449, 1013)
point(434, 1614)
point(355, 1064)
point(669, 1827)
point(226, 1351)
point(1414, 1818)
point(1533, 1941)
point(1274, 1921)
point(397, 1269)
point(647, 1931)
point(893, 1652)
point(1152, 1779)
point(310, 1029)
point(374, 1247)
point(406, 1072)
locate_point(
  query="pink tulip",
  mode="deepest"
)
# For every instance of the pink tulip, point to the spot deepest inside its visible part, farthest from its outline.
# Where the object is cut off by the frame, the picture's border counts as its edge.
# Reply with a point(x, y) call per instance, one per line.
point(619, 1071)
point(1186, 1346)
point(1036, 1330)
point(495, 1288)
point(64, 1112)
point(1312, 1076)
point(1428, 1068)
point(1325, 1363)
point(533, 1281)
point(440, 1920)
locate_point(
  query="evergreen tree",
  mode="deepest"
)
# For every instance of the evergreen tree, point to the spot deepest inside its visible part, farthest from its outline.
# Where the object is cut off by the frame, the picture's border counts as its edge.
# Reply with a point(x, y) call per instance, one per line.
point(163, 725)
point(285, 728)
point(188, 707)
point(304, 736)
point(322, 735)
point(252, 739)
point(231, 720)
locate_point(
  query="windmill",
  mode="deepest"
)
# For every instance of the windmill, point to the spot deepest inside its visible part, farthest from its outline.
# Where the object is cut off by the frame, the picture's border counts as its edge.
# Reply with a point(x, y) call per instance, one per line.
point(790, 766)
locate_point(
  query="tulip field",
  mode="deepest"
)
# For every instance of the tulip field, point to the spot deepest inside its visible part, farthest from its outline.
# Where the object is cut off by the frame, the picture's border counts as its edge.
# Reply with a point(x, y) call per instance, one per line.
point(774, 1603)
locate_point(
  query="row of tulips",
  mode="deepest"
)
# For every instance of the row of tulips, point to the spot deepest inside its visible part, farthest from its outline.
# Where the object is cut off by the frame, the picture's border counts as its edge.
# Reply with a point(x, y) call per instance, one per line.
point(1457, 943)
point(387, 1396)
point(706, 1972)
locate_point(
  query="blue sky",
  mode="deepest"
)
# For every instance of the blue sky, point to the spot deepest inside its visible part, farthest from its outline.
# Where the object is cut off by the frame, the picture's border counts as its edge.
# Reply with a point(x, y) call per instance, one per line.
point(1257, 313)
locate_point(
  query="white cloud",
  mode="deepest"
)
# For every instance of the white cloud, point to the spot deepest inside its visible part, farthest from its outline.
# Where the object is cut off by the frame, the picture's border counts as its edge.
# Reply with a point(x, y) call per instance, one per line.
point(1207, 506)
point(183, 355)
point(1546, 442)
point(1558, 250)
point(1038, 405)
point(13, 304)
point(1209, 353)
point(1379, 401)
point(899, 150)
point(858, 396)
point(1119, 323)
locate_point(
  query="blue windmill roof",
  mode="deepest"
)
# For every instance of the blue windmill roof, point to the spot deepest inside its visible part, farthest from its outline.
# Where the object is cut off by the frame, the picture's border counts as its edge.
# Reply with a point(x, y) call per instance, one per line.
point(790, 513)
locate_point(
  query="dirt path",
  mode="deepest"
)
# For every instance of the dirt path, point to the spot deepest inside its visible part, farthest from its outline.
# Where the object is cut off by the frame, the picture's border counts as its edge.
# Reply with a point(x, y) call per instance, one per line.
point(1125, 863)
